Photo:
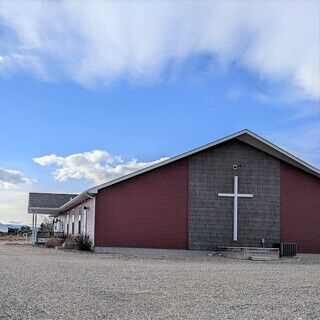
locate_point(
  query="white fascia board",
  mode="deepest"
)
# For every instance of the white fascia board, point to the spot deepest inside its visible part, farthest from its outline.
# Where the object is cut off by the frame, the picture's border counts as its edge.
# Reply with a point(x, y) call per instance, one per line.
point(78, 199)
point(42, 210)
point(272, 149)
point(165, 162)
point(245, 135)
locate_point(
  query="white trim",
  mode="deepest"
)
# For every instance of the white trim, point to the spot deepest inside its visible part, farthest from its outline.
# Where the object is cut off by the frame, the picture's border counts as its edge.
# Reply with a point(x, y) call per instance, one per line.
point(244, 135)
point(240, 136)
point(33, 210)
point(272, 149)
point(94, 220)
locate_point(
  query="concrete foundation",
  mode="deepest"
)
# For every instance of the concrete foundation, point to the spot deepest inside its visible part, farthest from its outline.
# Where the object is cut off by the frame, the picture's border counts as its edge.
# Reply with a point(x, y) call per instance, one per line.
point(154, 252)
point(250, 253)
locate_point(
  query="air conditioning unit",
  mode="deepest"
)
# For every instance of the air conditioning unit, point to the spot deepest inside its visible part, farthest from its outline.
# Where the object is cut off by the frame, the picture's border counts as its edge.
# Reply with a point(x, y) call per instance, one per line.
point(288, 249)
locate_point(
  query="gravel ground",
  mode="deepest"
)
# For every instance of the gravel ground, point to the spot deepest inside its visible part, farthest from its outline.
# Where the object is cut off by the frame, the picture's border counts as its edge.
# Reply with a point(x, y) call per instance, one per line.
point(37, 283)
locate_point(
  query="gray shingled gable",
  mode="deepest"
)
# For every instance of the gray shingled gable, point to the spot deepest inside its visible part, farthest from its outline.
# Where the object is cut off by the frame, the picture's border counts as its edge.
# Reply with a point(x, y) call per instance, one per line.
point(49, 200)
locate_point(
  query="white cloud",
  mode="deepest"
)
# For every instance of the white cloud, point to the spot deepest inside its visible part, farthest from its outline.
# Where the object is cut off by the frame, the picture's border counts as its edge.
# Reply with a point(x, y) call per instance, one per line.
point(95, 166)
point(11, 178)
point(99, 41)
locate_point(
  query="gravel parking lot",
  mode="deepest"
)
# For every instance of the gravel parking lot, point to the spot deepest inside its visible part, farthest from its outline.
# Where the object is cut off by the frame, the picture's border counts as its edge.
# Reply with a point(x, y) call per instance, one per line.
point(39, 283)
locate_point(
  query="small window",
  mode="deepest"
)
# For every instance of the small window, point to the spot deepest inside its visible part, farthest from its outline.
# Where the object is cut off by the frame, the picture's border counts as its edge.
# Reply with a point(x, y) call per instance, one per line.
point(68, 222)
point(72, 225)
point(79, 223)
point(84, 223)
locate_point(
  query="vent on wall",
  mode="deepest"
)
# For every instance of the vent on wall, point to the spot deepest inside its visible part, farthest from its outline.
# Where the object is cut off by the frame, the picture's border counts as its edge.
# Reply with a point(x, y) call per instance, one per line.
point(288, 249)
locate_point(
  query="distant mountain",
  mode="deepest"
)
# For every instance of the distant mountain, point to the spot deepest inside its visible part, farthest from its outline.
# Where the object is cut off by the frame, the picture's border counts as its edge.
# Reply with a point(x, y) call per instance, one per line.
point(4, 227)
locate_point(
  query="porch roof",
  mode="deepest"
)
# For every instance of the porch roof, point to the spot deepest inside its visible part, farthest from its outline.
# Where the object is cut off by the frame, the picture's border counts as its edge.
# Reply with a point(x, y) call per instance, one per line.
point(47, 203)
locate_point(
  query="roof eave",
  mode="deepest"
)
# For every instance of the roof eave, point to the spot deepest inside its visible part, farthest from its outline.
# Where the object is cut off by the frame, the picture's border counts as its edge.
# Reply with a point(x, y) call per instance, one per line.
point(243, 135)
point(42, 210)
point(77, 200)
point(256, 141)
point(165, 162)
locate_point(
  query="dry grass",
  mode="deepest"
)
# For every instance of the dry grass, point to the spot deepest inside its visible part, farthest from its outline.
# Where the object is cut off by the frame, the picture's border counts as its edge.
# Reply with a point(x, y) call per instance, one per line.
point(11, 238)
point(53, 242)
point(17, 244)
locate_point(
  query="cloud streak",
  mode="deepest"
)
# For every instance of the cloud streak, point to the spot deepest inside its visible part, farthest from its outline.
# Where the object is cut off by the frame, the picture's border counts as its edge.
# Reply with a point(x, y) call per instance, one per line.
point(96, 166)
point(96, 42)
point(11, 178)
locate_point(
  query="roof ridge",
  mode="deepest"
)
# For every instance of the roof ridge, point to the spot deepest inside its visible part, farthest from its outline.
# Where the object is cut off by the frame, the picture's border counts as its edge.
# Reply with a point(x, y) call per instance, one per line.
point(244, 135)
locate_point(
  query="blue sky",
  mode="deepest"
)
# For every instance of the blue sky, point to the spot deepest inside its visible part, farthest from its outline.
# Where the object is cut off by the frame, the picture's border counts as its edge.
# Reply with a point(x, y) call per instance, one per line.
point(67, 90)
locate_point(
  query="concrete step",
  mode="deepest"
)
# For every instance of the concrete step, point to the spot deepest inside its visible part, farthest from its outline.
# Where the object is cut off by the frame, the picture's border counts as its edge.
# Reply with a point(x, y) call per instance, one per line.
point(250, 253)
point(260, 258)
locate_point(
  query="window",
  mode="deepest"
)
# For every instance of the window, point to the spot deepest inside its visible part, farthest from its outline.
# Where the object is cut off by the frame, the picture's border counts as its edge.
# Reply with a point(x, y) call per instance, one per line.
point(72, 225)
point(68, 218)
point(84, 223)
point(79, 222)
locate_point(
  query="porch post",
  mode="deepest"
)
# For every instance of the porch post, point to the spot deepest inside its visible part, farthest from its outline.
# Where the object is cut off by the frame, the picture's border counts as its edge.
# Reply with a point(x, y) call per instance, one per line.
point(32, 237)
point(36, 230)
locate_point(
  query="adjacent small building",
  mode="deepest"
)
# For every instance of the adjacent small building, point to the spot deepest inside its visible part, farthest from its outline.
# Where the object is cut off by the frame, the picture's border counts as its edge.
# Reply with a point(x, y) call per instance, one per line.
point(240, 190)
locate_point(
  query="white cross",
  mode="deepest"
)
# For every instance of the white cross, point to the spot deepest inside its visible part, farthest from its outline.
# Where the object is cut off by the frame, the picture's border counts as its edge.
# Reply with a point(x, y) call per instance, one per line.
point(235, 195)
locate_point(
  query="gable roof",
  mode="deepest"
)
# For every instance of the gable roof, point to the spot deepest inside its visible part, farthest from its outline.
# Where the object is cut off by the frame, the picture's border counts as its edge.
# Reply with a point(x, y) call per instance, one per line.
point(245, 135)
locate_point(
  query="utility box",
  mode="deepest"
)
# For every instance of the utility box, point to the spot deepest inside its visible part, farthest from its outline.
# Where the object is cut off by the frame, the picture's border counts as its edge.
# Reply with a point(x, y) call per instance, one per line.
point(288, 249)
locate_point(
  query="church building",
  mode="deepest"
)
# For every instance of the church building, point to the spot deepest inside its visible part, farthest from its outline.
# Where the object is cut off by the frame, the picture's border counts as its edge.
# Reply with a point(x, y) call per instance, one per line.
point(240, 190)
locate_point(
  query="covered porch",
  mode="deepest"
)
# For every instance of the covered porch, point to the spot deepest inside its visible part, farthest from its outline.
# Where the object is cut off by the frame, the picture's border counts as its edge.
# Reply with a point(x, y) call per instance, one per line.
point(47, 204)
point(72, 214)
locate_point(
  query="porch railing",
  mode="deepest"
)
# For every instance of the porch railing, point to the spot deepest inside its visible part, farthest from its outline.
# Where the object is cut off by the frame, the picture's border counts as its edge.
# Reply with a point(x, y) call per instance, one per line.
point(49, 234)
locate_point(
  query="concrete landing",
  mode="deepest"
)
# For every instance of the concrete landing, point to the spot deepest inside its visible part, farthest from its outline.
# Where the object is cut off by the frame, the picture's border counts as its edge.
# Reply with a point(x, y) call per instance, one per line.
point(250, 253)
point(155, 252)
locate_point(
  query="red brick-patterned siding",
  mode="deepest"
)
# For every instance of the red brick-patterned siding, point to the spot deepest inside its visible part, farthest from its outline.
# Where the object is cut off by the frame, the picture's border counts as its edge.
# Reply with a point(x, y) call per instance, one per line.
point(300, 209)
point(148, 211)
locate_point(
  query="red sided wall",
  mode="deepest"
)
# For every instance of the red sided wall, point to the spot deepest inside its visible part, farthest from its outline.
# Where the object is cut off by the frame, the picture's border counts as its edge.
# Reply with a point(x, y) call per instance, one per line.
point(148, 211)
point(300, 209)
